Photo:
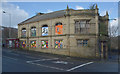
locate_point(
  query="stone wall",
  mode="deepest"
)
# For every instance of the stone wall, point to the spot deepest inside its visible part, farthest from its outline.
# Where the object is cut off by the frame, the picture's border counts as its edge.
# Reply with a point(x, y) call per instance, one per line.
point(69, 37)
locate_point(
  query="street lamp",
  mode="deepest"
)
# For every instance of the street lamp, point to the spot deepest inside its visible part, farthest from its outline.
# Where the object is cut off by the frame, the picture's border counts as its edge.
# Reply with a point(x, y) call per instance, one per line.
point(10, 22)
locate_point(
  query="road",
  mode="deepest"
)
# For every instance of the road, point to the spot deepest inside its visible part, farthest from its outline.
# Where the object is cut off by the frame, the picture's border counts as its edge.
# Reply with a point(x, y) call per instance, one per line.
point(28, 61)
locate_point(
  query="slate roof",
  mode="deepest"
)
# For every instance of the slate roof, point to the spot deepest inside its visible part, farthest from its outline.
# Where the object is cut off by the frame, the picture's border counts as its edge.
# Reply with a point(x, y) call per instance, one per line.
point(52, 15)
point(45, 16)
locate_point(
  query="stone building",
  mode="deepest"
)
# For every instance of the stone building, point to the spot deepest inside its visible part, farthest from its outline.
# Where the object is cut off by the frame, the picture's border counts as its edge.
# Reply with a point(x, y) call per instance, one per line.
point(78, 33)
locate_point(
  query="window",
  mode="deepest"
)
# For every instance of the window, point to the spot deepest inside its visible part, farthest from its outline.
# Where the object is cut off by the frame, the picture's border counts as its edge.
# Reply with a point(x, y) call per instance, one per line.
point(23, 43)
point(44, 30)
point(23, 32)
point(58, 44)
point(33, 31)
point(58, 28)
point(82, 42)
point(33, 44)
point(82, 27)
point(44, 44)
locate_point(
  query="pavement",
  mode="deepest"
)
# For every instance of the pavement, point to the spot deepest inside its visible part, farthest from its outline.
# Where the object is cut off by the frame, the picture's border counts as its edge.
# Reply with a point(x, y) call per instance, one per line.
point(14, 60)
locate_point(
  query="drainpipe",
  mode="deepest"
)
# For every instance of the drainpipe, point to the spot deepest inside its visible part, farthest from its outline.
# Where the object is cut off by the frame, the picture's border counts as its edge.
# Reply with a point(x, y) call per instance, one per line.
point(97, 31)
point(68, 30)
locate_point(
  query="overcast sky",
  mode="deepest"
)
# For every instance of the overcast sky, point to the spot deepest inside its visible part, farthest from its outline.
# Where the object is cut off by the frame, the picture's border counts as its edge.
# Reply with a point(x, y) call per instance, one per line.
point(19, 11)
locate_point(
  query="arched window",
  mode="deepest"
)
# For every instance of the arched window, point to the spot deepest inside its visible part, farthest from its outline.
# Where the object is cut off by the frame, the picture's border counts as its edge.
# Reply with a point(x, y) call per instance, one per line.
point(23, 34)
point(58, 28)
point(44, 30)
point(33, 31)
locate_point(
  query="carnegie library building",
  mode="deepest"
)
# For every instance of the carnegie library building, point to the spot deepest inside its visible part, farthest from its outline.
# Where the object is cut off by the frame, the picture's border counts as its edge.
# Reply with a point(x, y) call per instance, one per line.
point(78, 33)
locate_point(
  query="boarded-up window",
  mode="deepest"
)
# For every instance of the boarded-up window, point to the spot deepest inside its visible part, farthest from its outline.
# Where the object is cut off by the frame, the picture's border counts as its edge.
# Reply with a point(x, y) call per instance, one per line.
point(58, 44)
point(23, 44)
point(44, 43)
point(44, 30)
point(59, 28)
point(33, 44)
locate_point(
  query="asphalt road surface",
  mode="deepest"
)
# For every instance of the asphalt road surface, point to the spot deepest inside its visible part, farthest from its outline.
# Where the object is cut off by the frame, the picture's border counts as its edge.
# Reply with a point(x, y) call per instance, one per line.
point(28, 61)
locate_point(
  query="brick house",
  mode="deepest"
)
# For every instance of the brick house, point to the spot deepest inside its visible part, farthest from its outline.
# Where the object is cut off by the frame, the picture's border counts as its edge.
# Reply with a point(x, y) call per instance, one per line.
point(78, 33)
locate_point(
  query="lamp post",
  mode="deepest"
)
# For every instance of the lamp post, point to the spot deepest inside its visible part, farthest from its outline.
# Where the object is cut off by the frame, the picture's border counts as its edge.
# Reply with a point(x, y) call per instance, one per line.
point(9, 22)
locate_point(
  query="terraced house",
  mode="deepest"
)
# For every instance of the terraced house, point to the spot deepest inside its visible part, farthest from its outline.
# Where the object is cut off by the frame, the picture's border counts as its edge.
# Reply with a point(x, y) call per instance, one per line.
point(79, 33)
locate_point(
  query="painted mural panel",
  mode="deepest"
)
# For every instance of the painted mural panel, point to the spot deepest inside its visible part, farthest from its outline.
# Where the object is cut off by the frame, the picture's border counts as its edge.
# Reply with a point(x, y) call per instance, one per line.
point(23, 44)
point(23, 33)
point(33, 32)
point(44, 31)
point(44, 44)
point(33, 44)
point(58, 29)
point(58, 44)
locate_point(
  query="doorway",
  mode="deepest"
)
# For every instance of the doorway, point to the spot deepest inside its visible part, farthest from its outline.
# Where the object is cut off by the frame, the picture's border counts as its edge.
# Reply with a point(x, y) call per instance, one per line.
point(104, 52)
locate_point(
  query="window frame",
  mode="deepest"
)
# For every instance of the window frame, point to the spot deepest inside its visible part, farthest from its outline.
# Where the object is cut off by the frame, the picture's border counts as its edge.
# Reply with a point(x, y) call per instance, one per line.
point(82, 43)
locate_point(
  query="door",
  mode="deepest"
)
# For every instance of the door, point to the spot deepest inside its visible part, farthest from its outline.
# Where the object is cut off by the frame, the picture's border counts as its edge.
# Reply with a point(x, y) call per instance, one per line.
point(103, 49)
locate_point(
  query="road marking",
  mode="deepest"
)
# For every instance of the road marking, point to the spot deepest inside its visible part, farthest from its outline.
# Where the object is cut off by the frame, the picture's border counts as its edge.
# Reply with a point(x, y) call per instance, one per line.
point(41, 60)
point(61, 62)
point(10, 58)
point(14, 54)
point(48, 66)
point(22, 52)
point(79, 66)
point(7, 51)
point(31, 57)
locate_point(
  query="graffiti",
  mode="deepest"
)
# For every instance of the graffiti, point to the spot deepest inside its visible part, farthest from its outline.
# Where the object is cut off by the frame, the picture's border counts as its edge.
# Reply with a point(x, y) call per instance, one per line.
point(44, 31)
point(33, 44)
point(58, 29)
point(44, 44)
point(23, 44)
point(59, 44)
